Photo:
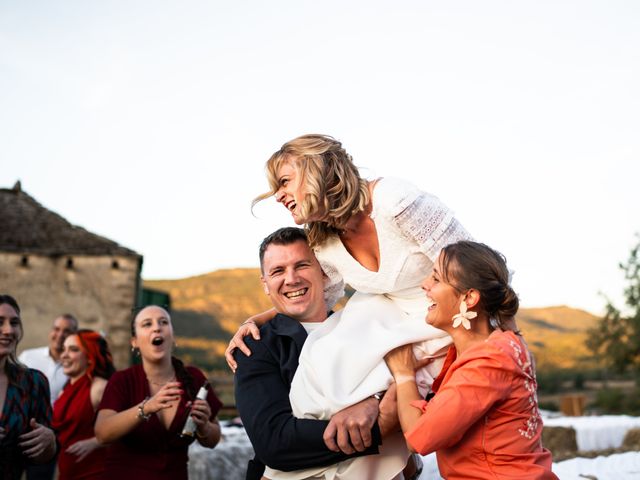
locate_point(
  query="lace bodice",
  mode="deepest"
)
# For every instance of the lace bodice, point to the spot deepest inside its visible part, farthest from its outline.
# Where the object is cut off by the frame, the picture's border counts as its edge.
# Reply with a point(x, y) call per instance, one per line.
point(412, 228)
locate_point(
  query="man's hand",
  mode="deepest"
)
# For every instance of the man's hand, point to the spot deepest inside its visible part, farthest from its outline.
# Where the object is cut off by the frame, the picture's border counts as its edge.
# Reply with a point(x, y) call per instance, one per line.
point(388, 418)
point(350, 429)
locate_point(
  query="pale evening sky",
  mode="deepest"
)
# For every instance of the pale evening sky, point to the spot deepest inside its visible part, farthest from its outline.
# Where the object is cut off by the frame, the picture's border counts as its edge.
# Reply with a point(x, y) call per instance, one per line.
point(149, 122)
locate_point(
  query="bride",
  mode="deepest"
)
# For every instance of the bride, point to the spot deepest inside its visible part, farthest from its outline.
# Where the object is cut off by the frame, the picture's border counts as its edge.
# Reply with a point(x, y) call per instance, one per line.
point(382, 238)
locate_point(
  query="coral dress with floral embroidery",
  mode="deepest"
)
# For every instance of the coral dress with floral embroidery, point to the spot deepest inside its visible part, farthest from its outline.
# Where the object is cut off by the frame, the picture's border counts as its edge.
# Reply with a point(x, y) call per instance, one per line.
point(483, 421)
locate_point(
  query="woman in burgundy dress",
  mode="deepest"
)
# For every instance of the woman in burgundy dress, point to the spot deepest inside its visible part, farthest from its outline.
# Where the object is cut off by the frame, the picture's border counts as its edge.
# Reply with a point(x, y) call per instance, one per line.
point(145, 407)
point(86, 360)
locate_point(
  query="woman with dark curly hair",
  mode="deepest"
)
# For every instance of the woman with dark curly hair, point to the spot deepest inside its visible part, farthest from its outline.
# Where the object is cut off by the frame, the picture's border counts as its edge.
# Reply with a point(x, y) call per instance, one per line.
point(25, 406)
point(145, 407)
point(87, 362)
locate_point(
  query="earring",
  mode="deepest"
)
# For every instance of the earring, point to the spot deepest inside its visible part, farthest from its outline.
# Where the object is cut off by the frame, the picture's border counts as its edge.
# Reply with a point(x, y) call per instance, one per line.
point(135, 351)
point(463, 317)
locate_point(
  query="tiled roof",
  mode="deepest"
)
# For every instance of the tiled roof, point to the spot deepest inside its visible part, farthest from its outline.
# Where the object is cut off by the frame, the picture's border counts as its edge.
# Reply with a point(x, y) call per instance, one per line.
point(28, 227)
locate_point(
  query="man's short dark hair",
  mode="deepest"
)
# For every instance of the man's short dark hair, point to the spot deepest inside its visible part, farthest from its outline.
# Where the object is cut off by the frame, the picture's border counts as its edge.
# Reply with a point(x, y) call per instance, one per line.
point(282, 236)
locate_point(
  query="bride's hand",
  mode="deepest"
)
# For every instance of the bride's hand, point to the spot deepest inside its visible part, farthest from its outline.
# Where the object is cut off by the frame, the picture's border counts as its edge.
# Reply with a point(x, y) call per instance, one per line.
point(249, 327)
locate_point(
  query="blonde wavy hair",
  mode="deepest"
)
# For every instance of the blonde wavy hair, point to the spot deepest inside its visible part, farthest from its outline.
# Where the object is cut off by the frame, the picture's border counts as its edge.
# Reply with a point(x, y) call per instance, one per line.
point(331, 182)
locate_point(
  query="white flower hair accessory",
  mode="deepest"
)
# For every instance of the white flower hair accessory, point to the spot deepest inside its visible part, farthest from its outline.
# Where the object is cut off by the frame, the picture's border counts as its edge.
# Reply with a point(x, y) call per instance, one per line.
point(463, 317)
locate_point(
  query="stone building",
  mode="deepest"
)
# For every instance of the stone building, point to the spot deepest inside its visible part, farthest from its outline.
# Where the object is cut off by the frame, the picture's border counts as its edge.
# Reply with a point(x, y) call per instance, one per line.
point(52, 267)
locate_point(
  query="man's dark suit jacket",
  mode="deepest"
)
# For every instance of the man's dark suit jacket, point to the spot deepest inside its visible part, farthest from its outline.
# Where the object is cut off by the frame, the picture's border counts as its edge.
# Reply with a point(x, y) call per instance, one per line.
point(262, 384)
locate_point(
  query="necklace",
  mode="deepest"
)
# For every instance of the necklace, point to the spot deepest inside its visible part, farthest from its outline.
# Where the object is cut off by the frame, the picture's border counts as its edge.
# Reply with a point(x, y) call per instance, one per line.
point(161, 384)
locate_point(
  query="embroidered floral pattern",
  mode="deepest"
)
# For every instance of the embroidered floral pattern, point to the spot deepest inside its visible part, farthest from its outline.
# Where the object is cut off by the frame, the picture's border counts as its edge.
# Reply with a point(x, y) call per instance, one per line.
point(334, 286)
point(523, 359)
point(431, 224)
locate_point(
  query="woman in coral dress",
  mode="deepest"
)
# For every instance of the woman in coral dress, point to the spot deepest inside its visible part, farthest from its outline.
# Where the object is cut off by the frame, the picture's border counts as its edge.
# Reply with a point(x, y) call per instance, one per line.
point(483, 421)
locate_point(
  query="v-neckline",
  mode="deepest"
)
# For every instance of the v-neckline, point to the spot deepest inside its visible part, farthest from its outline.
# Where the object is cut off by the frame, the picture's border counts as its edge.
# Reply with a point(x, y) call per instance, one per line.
point(171, 427)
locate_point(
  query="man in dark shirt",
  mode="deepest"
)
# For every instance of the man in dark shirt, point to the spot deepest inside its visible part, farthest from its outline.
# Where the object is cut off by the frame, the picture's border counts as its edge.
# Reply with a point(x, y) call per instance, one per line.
point(293, 279)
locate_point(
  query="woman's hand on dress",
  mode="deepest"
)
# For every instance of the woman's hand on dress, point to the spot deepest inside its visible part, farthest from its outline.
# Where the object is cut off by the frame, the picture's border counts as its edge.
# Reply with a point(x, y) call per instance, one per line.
point(166, 397)
point(39, 443)
point(247, 328)
point(401, 360)
point(83, 448)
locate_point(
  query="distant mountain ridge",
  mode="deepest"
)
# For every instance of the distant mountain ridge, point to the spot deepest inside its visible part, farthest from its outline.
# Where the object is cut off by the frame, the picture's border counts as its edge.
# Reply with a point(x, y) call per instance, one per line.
point(207, 309)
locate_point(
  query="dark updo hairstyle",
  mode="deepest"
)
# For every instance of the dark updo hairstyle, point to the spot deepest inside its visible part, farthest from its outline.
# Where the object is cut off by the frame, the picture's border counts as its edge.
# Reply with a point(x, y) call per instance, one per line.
point(470, 265)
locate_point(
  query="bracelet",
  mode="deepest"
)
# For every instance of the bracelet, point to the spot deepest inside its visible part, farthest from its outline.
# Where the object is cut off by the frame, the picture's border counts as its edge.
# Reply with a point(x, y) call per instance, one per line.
point(201, 437)
point(400, 379)
point(249, 321)
point(141, 414)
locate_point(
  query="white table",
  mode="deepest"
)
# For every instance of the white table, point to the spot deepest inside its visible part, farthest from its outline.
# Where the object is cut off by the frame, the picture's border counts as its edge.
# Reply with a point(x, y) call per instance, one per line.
point(597, 432)
point(228, 461)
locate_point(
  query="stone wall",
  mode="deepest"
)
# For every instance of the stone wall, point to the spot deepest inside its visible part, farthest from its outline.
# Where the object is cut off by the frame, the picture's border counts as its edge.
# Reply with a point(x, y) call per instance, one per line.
point(99, 290)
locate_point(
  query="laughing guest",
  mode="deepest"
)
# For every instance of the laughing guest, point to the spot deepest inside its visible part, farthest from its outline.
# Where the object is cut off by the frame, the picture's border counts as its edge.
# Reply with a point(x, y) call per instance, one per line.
point(25, 408)
point(145, 407)
point(87, 362)
point(483, 421)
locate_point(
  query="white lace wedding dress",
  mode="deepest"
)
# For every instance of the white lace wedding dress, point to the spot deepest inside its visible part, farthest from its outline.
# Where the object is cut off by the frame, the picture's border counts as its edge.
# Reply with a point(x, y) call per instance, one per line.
point(342, 360)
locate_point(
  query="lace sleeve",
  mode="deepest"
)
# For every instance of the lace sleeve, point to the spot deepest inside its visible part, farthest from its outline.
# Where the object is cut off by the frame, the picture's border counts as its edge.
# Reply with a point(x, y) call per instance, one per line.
point(333, 284)
point(426, 220)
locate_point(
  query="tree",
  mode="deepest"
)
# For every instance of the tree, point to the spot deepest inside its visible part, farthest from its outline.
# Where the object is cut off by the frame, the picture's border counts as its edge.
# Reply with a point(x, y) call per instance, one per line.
point(616, 337)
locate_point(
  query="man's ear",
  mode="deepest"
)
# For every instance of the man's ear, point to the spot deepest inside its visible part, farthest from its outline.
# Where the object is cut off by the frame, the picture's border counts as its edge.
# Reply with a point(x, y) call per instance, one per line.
point(264, 286)
point(472, 298)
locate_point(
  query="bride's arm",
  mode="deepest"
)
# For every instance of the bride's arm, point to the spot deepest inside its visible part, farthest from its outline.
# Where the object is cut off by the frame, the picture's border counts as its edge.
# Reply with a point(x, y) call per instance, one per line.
point(251, 326)
point(423, 218)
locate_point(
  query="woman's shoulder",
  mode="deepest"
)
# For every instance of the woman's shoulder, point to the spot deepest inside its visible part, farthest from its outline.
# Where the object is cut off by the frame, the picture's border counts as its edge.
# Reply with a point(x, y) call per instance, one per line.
point(98, 383)
point(27, 379)
point(36, 378)
point(511, 348)
point(129, 374)
point(34, 374)
point(498, 347)
point(393, 195)
point(195, 372)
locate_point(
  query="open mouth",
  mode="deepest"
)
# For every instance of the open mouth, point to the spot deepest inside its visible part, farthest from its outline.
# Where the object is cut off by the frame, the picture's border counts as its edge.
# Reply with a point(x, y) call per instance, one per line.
point(430, 304)
point(296, 294)
point(291, 206)
point(6, 341)
point(157, 341)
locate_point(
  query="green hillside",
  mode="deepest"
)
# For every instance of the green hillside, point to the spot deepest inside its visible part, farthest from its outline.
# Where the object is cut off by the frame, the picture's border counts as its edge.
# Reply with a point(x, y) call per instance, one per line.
point(556, 336)
point(207, 310)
